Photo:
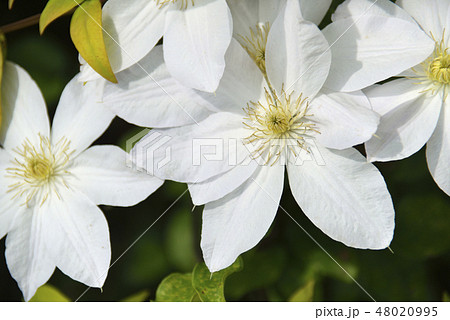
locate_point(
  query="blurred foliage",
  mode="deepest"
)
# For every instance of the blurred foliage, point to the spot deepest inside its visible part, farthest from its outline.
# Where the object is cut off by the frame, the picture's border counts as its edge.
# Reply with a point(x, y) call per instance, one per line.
point(200, 285)
point(48, 293)
point(285, 265)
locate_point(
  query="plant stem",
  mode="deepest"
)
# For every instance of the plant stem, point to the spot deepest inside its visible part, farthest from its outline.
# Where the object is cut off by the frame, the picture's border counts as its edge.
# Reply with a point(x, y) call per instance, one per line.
point(27, 22)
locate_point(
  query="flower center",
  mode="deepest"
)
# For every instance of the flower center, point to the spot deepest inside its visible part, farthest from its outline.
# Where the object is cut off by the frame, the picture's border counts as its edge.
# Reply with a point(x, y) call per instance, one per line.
point(435, 71)
point(255, 44)
point(278, 123)
point(183, 3)
point(37, 171)
point(439, 67)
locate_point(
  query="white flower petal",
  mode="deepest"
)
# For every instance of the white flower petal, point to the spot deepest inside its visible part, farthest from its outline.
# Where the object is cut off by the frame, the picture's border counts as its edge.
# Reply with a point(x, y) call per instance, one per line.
point(27, 251)
point(80, 117)
point(8, 208)
point(360, 8)
point(408, 119)
point(130, 32)
point(80, 238)
point(432, 15)
point(372, 48)
point(195, 42)
point(297, 54)
point(218, 187)
point(343, 119)
point(438, 151)
point(193, 153)
point(346, 198)
point(241, 83)
point(102, 174)
point(249, 13)
point(314, 10)
point(24, 114)
point(147, 95)
point(237, 222)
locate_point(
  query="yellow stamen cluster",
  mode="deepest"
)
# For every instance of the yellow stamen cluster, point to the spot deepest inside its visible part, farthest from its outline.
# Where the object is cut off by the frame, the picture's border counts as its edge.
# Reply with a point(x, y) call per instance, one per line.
point(278, 123)
point(38, 170)
point(255, 45)
point(435, 71)
point(183, 3)
point(439, 65)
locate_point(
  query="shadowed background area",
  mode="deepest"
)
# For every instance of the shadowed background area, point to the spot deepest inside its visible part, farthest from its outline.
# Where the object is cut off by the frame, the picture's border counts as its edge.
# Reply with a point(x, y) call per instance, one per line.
point(285, 260)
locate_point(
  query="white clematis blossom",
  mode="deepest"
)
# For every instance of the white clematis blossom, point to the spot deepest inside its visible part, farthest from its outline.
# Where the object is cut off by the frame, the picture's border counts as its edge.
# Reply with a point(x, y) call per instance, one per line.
point(51, 184)
point(196, 36)
point(270, 118)
point(415, 109)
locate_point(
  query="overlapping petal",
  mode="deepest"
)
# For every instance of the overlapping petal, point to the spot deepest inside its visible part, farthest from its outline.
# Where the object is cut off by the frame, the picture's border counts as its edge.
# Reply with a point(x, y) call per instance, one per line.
point(79, 237)
point(104, 176)
point(24, 114)
point(297, 55)
point(408, 119)
point(438, 151)
point(370, 48)
point(193, 153)
point(219, 186)
point(433, 15)
point(346, 198)
point(235, 223)
point(80, 117)
point(195, 42)
point(27, 250)
point(147, 95)
point(343, 119)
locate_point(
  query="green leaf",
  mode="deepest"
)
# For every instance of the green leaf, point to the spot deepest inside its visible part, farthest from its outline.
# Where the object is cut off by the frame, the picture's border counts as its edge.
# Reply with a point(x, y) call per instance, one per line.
point(141, 296)
point(10, 4)
point(446, 297)
point(2, 59)
point(87, 35)
point(48, 293)
point(210, 287)
point(55, 9)
point(304, 294)
point(176, 287)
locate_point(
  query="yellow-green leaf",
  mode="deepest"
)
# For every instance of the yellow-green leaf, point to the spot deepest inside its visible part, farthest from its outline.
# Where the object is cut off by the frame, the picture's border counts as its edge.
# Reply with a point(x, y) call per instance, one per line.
point(2, 59)
point(87, 36)
point(137, 297)
point(48, 293)
point(10, 4)
point(55, 9)
point(210, 287)
point(304, 294)
point(446, 297)
point(176, 287)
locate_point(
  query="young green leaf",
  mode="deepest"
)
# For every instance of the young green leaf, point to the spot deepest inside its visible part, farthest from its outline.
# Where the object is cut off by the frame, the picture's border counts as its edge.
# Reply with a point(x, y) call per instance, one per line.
point(209, 286)
point(55, 9)
point(10, 4)
point(87, 35)
point(48, 293)
point(176, 287)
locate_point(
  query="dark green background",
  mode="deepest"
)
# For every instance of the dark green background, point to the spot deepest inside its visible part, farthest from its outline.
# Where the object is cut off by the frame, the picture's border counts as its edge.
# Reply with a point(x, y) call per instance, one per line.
point(285, 260)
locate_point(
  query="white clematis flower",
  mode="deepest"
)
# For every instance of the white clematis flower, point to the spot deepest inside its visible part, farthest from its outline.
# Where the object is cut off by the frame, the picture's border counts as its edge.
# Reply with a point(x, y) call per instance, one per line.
point(370, 41)
point(196, 36)
point(268, 120)
point(415, 109)
point(51, 184)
